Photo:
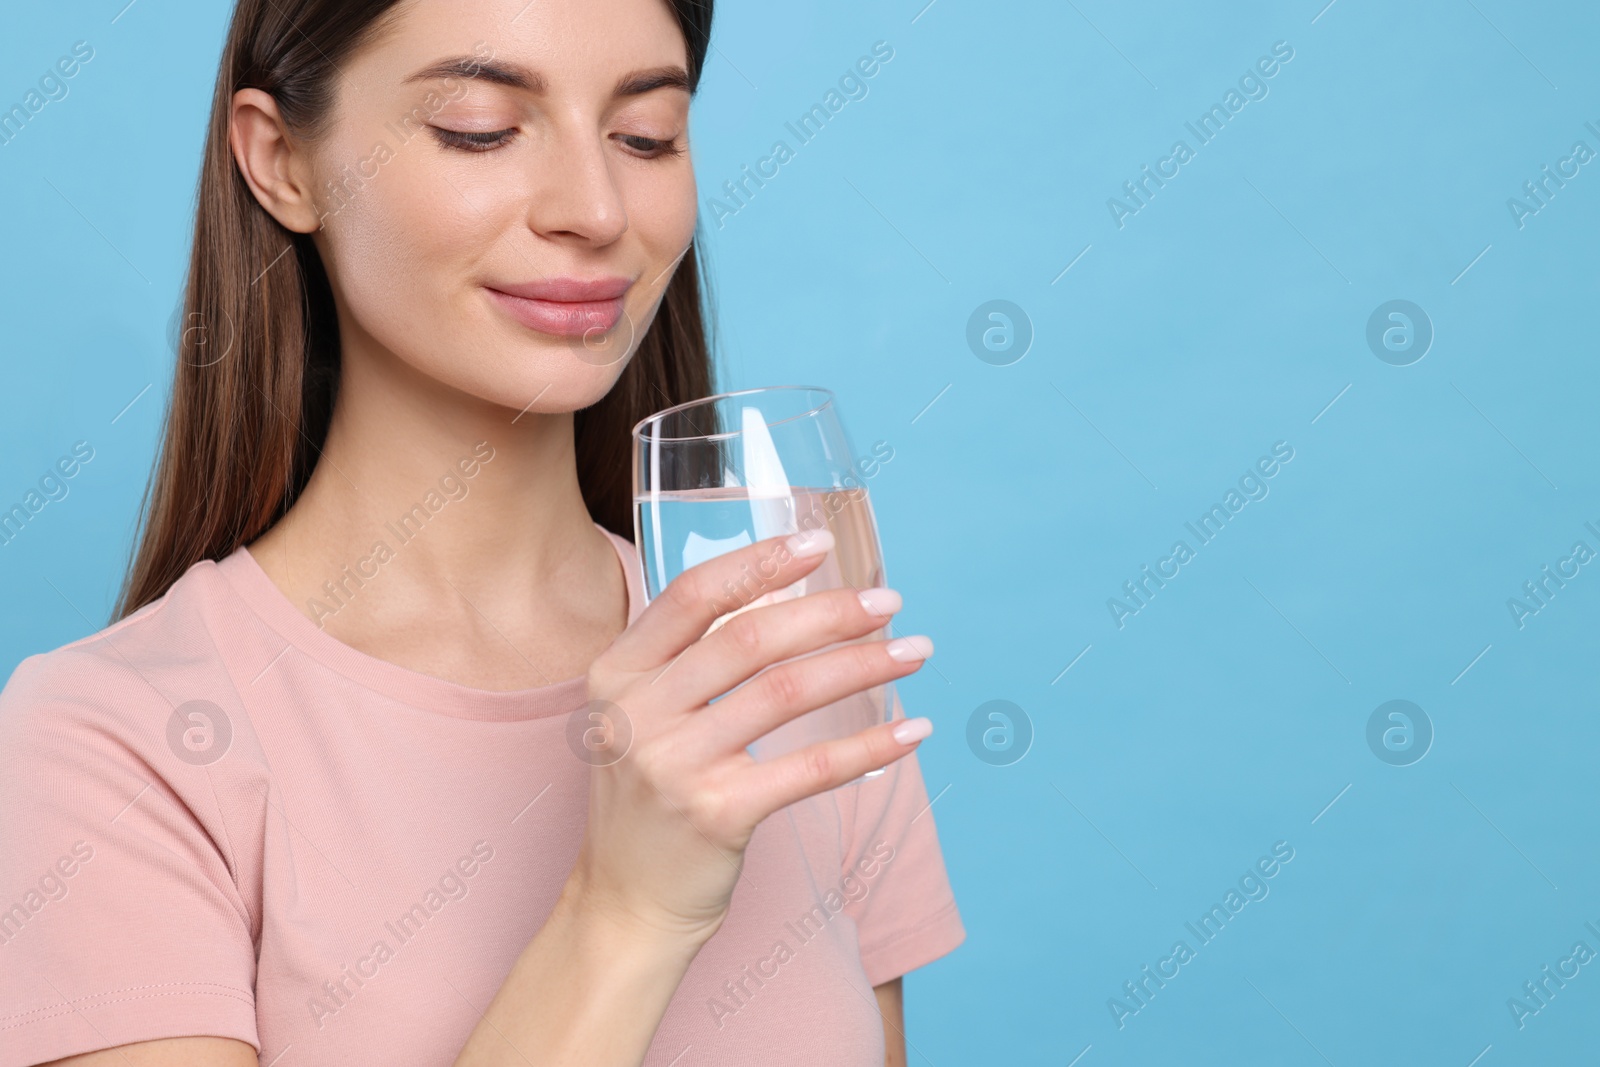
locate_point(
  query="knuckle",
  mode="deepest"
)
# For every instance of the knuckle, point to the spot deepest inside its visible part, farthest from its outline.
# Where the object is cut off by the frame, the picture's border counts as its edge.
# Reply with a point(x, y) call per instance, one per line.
point(744, 633)
point(786, 689)
point(844, 612)
point(602, 678)
point(818, 766)
point(881, 747)
point(869, 659)
point(651, 764)
point(709, 807)
point(685, 592)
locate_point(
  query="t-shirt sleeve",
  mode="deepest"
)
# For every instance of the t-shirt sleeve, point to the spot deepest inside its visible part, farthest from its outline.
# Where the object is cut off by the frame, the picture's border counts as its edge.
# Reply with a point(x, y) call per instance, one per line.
point(119, 918)
point(904, 910)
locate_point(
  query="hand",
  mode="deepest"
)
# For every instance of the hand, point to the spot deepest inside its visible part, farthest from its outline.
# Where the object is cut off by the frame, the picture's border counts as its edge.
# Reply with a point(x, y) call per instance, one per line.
point(670, 819)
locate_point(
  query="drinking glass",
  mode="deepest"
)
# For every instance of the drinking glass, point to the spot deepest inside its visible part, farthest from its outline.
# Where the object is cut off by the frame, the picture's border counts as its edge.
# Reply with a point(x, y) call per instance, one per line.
point(713, 475)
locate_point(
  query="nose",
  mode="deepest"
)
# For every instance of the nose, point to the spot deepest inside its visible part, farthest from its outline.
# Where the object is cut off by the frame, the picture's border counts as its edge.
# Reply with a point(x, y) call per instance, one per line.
point(576, 197)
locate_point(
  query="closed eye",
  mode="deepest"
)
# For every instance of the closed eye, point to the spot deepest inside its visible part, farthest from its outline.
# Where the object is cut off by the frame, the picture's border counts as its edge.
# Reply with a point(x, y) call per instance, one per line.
point(475, 141)
point(471, 140)
point(650, 147)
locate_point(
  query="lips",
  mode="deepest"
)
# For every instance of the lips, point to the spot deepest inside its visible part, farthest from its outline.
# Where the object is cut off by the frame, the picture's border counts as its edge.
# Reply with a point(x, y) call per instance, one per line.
point(564, 307)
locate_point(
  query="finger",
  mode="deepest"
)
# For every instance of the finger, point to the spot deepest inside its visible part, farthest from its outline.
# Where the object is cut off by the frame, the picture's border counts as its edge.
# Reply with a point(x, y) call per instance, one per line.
point(792, 689)
point(764, 635)
point(775, 784)
point(693, 600)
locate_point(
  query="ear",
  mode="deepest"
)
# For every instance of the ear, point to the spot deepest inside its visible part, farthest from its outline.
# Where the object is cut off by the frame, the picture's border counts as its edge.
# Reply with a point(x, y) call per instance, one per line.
point(277, 170)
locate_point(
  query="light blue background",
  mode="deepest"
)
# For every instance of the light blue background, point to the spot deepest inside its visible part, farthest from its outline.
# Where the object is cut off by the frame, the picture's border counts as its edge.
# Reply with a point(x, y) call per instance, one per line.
point(1223, 317)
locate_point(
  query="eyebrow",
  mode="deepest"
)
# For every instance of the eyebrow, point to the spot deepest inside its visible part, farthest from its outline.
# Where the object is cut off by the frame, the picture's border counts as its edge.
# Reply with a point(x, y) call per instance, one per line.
point(519, 77)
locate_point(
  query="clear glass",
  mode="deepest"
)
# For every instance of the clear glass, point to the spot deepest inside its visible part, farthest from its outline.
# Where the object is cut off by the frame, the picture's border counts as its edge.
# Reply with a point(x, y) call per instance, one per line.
point(713, 475)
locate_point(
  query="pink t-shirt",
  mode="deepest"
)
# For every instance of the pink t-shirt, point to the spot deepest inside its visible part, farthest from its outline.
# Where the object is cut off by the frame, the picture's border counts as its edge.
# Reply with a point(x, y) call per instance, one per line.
point(215, 818)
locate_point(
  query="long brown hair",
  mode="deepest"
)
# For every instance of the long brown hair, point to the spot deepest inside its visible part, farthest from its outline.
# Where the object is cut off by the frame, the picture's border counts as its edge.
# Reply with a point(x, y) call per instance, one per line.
point(258, 344)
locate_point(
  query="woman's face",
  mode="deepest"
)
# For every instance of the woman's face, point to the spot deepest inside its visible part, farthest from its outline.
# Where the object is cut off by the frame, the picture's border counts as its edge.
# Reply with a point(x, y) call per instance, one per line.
point(505, 190)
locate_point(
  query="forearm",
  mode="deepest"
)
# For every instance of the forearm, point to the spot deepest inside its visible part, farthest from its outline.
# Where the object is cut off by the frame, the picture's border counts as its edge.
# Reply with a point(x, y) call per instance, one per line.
point(586, 991)
point(891, 1005)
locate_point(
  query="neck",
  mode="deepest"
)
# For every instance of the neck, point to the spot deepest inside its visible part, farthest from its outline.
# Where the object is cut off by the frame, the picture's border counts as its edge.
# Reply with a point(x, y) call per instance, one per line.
point(458, 515)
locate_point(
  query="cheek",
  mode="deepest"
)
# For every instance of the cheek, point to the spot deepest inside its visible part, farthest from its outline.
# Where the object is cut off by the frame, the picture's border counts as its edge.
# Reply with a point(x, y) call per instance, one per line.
point(406, 251)
point(669, 205)
point(400, 244)
point(662, 210)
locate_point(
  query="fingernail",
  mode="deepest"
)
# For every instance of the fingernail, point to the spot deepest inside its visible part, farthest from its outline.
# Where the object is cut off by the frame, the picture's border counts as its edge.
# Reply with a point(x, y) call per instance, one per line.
point(906, 649)
point(911, 730)
point(810, 542)
point(880, 600)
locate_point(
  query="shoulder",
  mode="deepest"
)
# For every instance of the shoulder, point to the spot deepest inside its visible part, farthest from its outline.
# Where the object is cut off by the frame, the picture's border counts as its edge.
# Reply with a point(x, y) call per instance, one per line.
point(122, 683)
point(122, 735)
point(113, 785)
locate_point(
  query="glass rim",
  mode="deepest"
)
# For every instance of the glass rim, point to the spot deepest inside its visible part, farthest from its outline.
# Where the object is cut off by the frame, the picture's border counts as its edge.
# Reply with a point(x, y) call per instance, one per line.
point(828, 397)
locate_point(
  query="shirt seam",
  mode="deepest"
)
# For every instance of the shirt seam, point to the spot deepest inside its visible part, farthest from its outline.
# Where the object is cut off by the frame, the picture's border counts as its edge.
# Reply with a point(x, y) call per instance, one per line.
point(112, 997)
point(117, 627)
point(232, 859)
point(311, 656)
point(948, 910)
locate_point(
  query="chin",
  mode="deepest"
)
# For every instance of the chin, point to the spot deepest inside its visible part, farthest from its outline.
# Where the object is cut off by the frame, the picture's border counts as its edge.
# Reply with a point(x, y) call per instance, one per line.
point(557, 381)
point(519, 370)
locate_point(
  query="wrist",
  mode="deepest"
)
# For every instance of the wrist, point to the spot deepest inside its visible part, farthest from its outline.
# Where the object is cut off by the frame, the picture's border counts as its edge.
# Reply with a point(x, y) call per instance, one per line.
point(608, 919)
point(590, 988)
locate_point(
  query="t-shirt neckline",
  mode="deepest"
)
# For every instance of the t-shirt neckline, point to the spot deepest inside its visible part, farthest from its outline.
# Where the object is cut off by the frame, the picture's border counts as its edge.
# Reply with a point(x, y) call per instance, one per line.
point(424, 691)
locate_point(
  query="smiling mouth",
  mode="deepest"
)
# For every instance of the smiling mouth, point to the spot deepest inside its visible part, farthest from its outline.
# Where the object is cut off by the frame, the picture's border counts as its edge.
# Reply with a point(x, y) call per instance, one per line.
point(564, 307)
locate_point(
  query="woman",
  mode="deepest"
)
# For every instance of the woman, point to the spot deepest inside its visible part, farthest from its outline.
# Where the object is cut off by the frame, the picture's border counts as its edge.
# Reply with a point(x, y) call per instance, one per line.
point(312, 799)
